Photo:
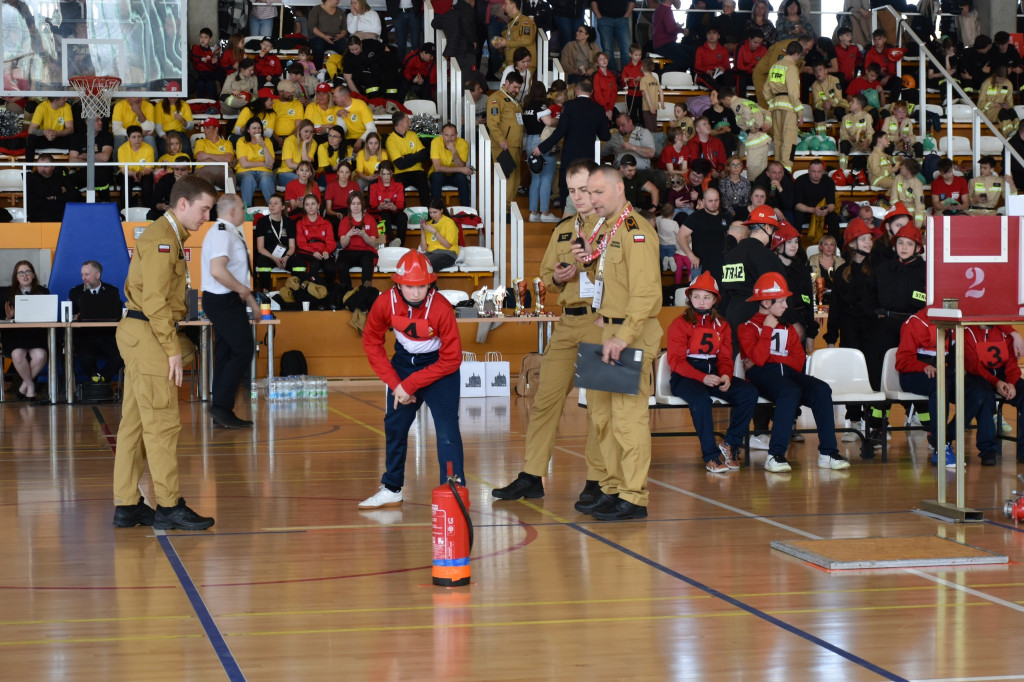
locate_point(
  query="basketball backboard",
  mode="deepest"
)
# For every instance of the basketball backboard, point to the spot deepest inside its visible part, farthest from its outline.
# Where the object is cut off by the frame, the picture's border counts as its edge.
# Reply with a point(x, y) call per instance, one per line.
point(142, 42)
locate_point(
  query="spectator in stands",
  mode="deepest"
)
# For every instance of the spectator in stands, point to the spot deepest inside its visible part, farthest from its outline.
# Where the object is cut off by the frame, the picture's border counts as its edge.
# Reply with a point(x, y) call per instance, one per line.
point(289, 112)
point(848, 54)
point(299, 147)
point(855, 131)
point(409, 156)
point(358, 241)
point(641, 190)
point(212, 148)
point(663, 38)
point(651, 95)
point(419, 74)
point(449, 156)
point(606, 85)
point(778, 186)
point(459, 26)
point(521, 31)
point(140, 158)
point(996, 100)
point(814, 201)
point(440, 240)
point(232, 56)
point(368, 161)
point(162, 192)
point(387, 202)
point(295, 191)
point(731, 27)
point(203, 59)
point(172, 155)
point(673, 157)
point(747, 56)
point(1016, 169)
point(987, 188)
point(96, 301)
point(305, 85)
point(579, 57)
point(326, 27)
point(705, 146)
point(268, 67)
point(950, 194)
point(1005, 54)
point(705, 230)
point(824, 265)
point(315, 243)
point(238, 90)
point(477, 90)
point(734, 188)
point(355, 114)
point(261, 108)
point(255, 163)
point(973, 63)
point(880, 165)
point(712, 65)
point(792, 23)
point(274, 237)
point(760, 22)
point(521, 65)
point(908, 189)
point(859, 14)
point(104, 152)
point(51, 128)
point(363, 21)
point(338, 193)
point(878, 54)
point(899, 127)
point(25, 347)
point(173, 115)
point(329, 155)
point(261, 17)
point(407, 16)
point(631, 74)
point(827, 100)
point(758, 198)
point(322, 112)
point(630, 139)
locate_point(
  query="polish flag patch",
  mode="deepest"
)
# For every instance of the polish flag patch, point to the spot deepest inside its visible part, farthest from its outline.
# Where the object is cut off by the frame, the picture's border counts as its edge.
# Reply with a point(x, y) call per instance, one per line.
point(164, 248)
point(638, 238)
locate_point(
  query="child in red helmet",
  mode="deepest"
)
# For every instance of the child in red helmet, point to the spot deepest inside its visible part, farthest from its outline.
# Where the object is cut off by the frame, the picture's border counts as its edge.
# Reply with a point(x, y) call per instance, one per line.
point(700, 355)
point(425, 367)
point(774, 358)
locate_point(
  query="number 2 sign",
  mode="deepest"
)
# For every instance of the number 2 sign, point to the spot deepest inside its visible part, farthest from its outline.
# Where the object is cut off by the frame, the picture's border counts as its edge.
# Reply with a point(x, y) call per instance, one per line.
point(976, 260)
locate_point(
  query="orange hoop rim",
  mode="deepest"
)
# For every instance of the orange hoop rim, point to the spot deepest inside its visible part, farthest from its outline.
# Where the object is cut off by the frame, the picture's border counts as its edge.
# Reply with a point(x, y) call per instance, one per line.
point(94, 85)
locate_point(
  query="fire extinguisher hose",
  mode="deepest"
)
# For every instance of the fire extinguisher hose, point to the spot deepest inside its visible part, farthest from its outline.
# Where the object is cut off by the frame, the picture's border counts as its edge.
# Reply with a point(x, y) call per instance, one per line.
point(465, 512)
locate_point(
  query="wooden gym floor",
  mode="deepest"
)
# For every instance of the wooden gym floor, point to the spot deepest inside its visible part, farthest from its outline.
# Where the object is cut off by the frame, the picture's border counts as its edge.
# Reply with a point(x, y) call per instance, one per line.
point(294, 583)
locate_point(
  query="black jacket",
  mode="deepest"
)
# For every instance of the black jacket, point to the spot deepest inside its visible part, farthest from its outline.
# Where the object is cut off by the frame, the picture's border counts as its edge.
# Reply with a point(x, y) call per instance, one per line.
point(459, 26)
point(801, 303)
point(783, 200)
point(850, 304)
point(582, 121)
point(742, 266)
point(46, 197)
point(104, 306)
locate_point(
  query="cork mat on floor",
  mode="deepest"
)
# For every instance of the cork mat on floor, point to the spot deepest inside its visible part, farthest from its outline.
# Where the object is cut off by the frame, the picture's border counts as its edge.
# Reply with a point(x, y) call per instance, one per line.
point(846, 553)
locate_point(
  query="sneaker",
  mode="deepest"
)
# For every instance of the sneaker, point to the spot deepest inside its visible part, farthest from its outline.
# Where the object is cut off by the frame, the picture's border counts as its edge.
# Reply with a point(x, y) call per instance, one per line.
point(716, 466)
point(382, 498)
point(622, 511)
point(603, 501)
point(180, 517)
point(875, 438)
point(913, 419)
point(730, 455)
point(548, 218)
point(131, 515)
point(777, 465)
point(525, 486)
point(850, 436)
point(534, 217)
point(522, 191)
point(395, 242)
point(759, 442)
point(988, 459)
point(591, 491)
point(951, 457)
point(1004, 425)
point(832, 461)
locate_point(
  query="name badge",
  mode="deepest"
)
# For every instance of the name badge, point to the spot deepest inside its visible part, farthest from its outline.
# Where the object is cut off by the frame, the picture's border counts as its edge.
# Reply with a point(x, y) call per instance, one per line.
point(278, 251)
point(586, 286)
point(598, 293)
point(519, 118)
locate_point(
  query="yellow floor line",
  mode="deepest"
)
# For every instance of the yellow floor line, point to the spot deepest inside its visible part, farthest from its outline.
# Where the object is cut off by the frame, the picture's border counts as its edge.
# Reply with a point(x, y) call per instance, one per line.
point(525, 503)
point(93, 640)
point(114, 619)
point(357, 421)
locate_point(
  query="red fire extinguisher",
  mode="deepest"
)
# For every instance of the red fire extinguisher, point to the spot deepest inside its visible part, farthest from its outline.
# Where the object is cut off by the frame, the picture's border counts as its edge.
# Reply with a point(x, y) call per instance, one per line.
point(453, 533)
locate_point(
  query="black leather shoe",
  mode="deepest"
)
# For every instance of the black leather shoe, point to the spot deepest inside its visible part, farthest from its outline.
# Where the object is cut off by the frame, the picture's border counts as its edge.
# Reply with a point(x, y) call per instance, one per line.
point(989, 459)
point(603, 499)
point(591, 491)
point(227, 419)
point(180, 517)
point(131, 515)
point(620, 512)
point(525, 485)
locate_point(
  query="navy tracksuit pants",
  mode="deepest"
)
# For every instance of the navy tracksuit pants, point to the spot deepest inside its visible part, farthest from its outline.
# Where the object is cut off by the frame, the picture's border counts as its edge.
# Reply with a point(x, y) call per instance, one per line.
point(741, 396)
point(789, 389)
point(979, 403)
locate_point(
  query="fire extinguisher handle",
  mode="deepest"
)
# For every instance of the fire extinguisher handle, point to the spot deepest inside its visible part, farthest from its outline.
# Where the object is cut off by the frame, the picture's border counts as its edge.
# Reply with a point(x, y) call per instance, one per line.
point(465, 512)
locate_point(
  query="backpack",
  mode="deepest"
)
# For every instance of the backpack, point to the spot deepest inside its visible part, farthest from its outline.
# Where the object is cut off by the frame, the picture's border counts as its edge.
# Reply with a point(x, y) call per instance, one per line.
point(529, 375)
point(293, 364)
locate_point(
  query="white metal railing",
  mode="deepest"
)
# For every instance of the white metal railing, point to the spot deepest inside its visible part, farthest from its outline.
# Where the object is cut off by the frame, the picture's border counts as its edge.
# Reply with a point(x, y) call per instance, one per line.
point(516, 244)
point(485, 170)
point(557, 72)
point(455, 94)
point(428, 19)
point(542, 67)
point(443, 87)
point(468, 132)
point(597, 152)
point(498, 224)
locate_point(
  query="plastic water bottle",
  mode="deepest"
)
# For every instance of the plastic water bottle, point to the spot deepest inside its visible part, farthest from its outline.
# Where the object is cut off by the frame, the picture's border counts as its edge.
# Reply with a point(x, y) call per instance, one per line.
point(274, 390)
point(254, 391)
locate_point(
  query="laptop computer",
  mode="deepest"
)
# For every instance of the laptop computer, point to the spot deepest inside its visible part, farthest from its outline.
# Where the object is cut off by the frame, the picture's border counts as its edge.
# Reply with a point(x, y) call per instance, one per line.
point(41, 308)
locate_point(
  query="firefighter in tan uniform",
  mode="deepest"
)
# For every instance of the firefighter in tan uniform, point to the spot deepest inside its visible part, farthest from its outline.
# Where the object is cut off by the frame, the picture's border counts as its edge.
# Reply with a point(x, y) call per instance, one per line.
point(827, 99)
point(782, 90)
point(752, 120)
point(559, 272)
point(909, 189)
point(628, 298)
point(855, 131)
point(987, 188)
point(521, 31)
point(505, 124)
point(153, 352)
point(776, 52)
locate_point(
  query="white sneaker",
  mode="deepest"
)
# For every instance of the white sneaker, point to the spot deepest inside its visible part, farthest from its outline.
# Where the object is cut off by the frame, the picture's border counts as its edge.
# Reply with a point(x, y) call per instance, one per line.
point(382, 498)
point(1004, 425)
point(665, 263)
point(850, 436)
point(777, 466)
point(759, 442)
point(535, 217)
point(395, 242)
point(548, 218)
point(832, 462)
point(913, 418)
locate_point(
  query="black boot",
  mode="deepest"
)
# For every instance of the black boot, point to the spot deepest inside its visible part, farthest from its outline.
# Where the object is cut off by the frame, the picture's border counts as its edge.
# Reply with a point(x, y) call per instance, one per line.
point(591, 491)
point(131, 515)
point(602, 501)
point(180, 517)
point(525, 486)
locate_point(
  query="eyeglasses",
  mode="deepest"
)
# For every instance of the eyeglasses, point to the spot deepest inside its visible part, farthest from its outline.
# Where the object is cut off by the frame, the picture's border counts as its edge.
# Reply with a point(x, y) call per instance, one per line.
point(21, 273)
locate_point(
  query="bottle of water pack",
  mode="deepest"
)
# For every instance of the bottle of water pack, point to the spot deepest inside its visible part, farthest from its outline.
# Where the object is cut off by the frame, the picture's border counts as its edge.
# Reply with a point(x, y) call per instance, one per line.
point(254, 391)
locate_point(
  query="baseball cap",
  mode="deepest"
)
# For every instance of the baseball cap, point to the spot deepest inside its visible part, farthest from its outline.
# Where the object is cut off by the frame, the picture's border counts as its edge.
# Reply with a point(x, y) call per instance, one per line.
point(211, 123)
point(627, 160)
point(264, 93)
point(286, 86)
point(323, 87)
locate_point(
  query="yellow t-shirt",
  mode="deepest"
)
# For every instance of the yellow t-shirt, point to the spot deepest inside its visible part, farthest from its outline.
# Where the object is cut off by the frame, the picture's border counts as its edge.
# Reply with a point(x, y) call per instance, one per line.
point(398, 147)
point(125, 154)
point(123, 113)
point(321, 117)
point(288, 114)
point(368, 166)
point(167, 120)
point(269, 120)
point(292, 149)
point(358, 117)
point(449, 230)
point(440, 152)
point(48, 118)
point(652, 91)
point(253, 152)
point(171, 158)
point(327, 157)
point(219, 147)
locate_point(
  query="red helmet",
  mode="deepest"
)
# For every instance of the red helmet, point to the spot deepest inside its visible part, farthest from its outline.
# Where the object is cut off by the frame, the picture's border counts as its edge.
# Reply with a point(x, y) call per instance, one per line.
point(895, 53)
point(896, 211)
point(862, 177)
point(414, 269)
point(769, 287)
point(783, 235)
point(840, 178)
point(855, 229)
point(910, 231)
point(763, 215)
point(704, 282)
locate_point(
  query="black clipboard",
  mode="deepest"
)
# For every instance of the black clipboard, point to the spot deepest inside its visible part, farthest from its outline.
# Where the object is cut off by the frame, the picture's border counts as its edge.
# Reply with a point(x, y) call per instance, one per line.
point(507, 163)
point(593, 373)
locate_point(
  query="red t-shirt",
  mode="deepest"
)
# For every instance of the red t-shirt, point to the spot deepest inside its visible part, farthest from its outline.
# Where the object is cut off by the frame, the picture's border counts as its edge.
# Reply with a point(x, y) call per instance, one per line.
point(669, 155)
point(860, 84)
point(848, 59)
point(338, 195)
point(395, 192)
point(296, 190)
point(872, 56)
point(357, 243)
point(956, 190)
point(631, 75)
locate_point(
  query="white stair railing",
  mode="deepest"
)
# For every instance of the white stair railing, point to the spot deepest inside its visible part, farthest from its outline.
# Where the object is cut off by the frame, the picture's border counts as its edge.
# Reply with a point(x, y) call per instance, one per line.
point(498, 224)
point(485, 171)
point(516, 244)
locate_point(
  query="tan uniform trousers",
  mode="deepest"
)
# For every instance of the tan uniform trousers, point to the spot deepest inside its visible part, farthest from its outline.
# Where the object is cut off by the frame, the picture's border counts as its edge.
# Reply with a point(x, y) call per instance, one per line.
point(150, 420)
point(786, 132)
point(512, 183)
point(757, 159)
point(623, 425)
point(556, 380)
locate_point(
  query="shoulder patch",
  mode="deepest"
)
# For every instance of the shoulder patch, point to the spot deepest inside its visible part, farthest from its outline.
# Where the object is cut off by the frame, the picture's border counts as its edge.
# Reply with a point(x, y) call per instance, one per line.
point(565, 236)
point(494, 111)
point(526, 30)
point(631, 224)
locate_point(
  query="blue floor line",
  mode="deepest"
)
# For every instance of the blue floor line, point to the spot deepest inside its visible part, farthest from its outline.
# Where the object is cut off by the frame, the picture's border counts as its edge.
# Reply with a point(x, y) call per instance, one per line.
point(853, 658)
point(220, 646)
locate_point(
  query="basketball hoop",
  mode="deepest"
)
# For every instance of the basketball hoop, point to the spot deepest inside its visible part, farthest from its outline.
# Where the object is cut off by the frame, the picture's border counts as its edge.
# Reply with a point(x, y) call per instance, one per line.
point(95, 92)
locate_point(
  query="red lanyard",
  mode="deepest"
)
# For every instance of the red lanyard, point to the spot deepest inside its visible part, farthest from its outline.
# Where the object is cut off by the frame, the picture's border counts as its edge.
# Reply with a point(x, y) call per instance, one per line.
point(603, 244)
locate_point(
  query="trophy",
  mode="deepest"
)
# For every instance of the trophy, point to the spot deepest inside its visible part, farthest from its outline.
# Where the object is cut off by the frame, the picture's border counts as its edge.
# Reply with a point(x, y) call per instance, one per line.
point(519, 288)
point(489, 303)
point(478, 298)
point(499, 302)
point(539, 291)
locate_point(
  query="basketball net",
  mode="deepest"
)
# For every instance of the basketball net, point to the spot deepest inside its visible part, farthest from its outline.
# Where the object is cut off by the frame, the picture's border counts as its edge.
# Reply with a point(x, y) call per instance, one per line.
point(94, 93)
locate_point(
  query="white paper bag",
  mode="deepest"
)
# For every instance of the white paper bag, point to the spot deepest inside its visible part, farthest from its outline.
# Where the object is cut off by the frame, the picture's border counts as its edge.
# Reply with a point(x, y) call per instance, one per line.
point(472, 377)
point(496, 376)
